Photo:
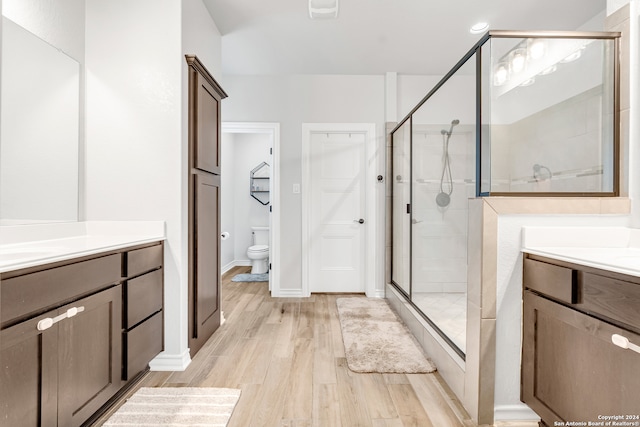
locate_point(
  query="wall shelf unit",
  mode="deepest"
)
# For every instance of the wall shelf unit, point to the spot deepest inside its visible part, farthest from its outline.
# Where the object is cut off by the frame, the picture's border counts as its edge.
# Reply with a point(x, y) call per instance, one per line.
point(259, 183)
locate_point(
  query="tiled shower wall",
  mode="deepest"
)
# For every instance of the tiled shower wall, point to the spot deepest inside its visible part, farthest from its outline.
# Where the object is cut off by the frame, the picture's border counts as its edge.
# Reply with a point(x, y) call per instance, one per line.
point(439, 234)
point(565, 139)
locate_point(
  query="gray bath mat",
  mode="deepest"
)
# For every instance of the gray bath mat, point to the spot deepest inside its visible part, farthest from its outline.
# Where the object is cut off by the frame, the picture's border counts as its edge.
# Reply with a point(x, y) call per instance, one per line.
point(246, 277)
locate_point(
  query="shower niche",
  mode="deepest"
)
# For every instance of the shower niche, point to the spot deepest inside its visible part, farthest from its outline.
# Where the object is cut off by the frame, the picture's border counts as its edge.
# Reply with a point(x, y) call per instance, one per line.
point(521, 114)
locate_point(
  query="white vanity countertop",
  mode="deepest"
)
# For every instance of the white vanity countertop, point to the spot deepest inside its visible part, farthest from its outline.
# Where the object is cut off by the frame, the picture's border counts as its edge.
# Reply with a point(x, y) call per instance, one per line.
point(33, 245)
point(608, 248)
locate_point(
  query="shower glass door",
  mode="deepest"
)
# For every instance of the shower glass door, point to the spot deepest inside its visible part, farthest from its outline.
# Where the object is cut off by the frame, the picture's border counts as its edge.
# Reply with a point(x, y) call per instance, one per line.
point(443, 179)
point(401, 202)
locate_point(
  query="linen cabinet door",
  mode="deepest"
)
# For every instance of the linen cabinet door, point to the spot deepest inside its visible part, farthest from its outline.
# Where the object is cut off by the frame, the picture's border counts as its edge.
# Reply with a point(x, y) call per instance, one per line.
point(89, 355)
point(206, 287)
point(28, 378)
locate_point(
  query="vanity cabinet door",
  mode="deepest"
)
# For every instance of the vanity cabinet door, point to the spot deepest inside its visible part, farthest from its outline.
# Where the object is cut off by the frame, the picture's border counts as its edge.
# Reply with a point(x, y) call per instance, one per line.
point(571, 370)
point(28, 378)
point(89, 356)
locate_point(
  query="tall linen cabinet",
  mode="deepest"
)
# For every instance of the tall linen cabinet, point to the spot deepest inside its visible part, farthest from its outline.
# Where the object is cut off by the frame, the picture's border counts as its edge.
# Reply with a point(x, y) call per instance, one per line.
point(205, 95)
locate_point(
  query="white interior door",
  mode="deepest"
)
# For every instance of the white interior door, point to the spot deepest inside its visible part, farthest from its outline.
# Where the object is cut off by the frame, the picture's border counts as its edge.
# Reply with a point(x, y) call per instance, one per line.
point(337, 212)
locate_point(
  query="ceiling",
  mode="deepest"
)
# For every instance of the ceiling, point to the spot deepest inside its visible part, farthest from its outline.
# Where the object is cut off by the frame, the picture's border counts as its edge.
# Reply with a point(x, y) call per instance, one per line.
point(424, 37)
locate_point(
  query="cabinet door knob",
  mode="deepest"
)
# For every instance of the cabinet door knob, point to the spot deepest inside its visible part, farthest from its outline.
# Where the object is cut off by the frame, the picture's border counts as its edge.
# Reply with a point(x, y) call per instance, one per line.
point(359, 221)
point(623, 342)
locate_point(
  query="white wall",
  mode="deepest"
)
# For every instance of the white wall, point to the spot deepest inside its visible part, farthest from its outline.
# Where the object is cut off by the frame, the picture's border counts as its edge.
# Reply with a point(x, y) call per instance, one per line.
point(227, 205)
point(59, 23)
point(241, 152)
point(291, 101)
point(411, 90)
point(136, 136)
point(200, 36)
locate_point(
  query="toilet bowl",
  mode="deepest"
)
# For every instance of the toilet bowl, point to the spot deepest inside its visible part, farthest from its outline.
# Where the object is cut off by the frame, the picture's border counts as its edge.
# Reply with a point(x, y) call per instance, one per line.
point(259, 256)
point(258, 253)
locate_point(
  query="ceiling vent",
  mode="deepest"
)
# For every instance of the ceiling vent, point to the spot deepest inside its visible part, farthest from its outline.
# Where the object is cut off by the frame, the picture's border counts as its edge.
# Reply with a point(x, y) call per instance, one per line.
point(323, 9)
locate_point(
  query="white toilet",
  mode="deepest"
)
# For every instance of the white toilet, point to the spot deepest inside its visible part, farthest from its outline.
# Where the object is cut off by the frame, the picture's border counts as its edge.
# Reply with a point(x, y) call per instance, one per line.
point(258, 253)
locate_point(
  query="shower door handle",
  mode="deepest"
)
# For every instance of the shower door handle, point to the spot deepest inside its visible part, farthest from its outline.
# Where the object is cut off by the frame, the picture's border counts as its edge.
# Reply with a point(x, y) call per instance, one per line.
point(360, 221)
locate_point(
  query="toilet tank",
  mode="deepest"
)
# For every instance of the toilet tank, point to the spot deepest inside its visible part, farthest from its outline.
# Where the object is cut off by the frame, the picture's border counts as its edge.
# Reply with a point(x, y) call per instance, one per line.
point(260, 235)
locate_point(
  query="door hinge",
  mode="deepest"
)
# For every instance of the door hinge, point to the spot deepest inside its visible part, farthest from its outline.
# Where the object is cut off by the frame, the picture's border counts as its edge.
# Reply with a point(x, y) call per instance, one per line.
point(269, 266)
point(270, 210)
point(270, 150)
point(408, 208)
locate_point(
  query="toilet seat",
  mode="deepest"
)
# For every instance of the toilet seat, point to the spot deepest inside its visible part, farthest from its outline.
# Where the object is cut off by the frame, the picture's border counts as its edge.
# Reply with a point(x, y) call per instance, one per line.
point(258, 248)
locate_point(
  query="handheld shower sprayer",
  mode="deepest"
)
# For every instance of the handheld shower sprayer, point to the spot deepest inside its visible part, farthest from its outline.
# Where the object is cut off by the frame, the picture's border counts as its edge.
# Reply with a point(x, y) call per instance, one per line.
point(444, 198)
point(454, 122)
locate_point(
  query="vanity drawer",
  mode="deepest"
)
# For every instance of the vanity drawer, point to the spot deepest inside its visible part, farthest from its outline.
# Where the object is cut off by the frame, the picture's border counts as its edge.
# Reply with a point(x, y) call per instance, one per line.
point(143, 297)
point(142, 260)
point(556, 282)
point(610, 298)
point(35, 292)
point(141, 344)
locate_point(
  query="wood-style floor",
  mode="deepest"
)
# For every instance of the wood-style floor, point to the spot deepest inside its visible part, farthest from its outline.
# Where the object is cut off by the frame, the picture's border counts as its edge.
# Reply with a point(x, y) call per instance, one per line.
point(287, 357)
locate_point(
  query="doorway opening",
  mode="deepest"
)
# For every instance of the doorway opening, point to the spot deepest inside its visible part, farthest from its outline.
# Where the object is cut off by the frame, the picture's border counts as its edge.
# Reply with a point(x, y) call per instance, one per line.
point(250, 199)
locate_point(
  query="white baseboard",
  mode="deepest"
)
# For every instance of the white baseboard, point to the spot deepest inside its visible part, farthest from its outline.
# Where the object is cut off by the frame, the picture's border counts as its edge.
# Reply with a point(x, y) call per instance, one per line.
point(290, 293)
point(236, 263)
point(516, 412)
point(378, 293)
point(171, 362)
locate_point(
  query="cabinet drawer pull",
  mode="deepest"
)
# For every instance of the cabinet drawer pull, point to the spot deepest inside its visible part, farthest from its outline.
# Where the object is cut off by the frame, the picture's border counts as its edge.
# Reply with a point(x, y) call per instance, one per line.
point(624, 342)
point(48, 322)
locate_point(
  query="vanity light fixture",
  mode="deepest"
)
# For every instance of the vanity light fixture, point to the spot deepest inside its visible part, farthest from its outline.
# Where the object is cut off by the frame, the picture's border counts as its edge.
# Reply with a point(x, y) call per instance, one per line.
point(548, 70)
point(572, 57)
point(528, 82)
point(518, 58)
point(479, 28)
point(501, 75)
point(323, 9)
point(536, 48)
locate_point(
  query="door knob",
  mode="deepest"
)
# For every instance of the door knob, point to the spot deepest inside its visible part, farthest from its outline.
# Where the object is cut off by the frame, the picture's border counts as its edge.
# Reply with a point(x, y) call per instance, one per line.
point(361, 221)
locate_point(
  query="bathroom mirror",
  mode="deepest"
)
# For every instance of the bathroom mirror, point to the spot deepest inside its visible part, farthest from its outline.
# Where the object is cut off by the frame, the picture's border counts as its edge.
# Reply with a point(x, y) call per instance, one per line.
point(39, 136)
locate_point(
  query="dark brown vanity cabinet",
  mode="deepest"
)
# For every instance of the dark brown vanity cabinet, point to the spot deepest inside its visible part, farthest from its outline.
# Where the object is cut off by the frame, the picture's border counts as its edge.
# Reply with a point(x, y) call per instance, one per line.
point(205, 96)
point(572, 369)
point(143, 316)
point(61, 366)
point(73, 333)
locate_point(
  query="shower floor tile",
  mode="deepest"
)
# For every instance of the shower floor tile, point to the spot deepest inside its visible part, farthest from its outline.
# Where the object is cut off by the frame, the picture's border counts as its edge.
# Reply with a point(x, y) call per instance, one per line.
point(448, 310)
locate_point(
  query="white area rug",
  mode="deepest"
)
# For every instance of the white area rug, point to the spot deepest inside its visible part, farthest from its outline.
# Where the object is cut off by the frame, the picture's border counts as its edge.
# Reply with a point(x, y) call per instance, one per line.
point(375, 340)
point(177, 406)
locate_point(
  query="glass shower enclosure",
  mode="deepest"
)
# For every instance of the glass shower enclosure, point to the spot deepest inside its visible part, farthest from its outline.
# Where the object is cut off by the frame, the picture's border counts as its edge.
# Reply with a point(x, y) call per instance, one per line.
point(521, 114)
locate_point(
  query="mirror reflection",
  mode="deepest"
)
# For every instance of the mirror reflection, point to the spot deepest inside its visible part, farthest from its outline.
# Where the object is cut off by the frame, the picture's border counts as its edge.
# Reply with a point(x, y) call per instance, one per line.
point(40, 130)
